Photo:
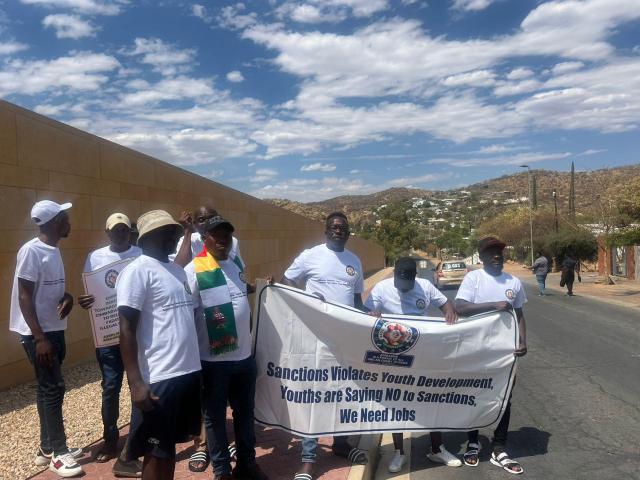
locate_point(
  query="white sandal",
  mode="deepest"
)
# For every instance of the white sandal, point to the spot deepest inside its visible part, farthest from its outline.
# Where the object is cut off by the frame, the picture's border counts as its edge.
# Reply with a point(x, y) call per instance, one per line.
point(473, 449)
point(503, 461)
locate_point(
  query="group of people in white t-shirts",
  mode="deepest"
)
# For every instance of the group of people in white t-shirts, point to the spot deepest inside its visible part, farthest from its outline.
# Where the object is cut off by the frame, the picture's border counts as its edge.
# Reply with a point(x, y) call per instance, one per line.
point(185, 340)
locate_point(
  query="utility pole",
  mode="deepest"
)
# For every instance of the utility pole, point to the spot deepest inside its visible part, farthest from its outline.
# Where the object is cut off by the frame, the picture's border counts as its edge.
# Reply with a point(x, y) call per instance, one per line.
point(555, 209)
point(572, 194)
point(534, 191)
point(530, 209)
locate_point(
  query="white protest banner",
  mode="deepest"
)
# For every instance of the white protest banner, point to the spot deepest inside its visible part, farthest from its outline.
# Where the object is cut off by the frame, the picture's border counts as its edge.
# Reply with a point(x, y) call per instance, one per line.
point(101, 283)
point(327, 369)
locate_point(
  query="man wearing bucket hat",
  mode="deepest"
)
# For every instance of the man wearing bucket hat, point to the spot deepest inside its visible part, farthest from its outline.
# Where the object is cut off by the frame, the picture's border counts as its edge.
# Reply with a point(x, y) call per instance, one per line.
point(223, 318)
point(39, 310)
point(486, 290)
point(159, 347)
point(118, 230)
point(404, 294)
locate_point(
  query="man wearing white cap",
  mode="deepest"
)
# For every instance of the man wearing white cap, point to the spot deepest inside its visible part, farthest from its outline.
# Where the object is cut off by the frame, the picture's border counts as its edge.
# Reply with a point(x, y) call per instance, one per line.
point(118, 229)
point(159, 347)
point(39, 310)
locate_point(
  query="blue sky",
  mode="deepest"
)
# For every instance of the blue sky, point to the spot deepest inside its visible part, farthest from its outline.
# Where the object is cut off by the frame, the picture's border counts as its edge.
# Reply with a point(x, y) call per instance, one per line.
point(310, 99)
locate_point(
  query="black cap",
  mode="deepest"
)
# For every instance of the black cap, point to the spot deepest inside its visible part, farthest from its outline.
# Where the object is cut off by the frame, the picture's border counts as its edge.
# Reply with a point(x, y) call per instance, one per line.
point(404, 273)
point(215, 222)
point(488, 242)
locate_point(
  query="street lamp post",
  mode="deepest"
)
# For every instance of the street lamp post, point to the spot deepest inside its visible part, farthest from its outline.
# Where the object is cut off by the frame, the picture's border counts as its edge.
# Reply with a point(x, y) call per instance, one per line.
point(530, 209)
point(555, 209)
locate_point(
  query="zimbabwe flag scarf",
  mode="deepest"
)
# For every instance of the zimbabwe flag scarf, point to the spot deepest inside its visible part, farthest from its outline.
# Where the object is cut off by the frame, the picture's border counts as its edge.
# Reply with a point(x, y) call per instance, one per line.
point(216, 300)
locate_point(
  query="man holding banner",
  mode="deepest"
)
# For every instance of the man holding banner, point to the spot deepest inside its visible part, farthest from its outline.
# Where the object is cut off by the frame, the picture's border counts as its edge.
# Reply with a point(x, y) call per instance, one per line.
point(485, 290)
point(112, 259)
point(334, 274)
point(404, 294)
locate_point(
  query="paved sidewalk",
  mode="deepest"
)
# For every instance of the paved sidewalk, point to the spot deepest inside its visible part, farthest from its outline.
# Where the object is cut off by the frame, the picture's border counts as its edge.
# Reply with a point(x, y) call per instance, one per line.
point(624, 292)
point(278, 452)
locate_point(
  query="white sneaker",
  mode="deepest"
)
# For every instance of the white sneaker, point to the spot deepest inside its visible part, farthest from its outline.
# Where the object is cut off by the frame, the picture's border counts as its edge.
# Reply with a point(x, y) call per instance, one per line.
point(396, 463)
point(65, 465)
point(443, 456)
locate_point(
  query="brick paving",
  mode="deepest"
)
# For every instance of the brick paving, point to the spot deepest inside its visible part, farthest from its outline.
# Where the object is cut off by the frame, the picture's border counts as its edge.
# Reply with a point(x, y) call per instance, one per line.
point(278, 452)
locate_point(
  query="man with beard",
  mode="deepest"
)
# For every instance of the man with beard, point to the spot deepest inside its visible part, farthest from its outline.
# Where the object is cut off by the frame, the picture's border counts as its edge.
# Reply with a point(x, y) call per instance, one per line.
point(333, 274)
point(118, 230)
point(159, 347)
point(485, 290)
point(39, 310)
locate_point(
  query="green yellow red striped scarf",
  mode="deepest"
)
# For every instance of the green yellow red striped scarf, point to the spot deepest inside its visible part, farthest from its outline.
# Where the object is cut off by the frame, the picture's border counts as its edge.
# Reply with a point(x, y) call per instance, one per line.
point(216, 300)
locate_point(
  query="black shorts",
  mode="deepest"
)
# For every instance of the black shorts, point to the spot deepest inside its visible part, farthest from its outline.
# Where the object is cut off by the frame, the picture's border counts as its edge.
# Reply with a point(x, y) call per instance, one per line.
point(174, 419)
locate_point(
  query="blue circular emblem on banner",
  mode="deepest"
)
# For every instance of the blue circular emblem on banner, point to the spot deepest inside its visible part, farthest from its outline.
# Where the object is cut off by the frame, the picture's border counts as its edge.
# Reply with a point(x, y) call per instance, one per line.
point(393, 337)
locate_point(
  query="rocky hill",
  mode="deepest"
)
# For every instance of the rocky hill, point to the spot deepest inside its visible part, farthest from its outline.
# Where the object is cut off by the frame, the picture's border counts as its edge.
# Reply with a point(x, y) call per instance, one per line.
point(589, 185)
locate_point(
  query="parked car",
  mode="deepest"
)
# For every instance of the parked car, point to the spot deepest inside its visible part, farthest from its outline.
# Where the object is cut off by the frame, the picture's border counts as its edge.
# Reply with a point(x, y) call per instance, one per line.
point(450, 272)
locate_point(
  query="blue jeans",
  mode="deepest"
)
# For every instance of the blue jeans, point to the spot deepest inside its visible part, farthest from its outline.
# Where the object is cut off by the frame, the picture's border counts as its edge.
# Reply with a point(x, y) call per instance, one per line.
point(112, 369)
point(541, 280)
point(234, 382)
point(50, 393)
point(309, 446)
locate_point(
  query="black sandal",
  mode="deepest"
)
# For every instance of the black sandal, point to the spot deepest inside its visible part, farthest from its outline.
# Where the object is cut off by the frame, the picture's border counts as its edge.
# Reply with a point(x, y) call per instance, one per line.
point(473, 449)
point(199, 461)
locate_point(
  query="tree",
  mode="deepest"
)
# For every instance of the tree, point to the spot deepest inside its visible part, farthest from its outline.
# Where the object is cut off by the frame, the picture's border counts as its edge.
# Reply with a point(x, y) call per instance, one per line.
point(577, 242)
point(395, 232)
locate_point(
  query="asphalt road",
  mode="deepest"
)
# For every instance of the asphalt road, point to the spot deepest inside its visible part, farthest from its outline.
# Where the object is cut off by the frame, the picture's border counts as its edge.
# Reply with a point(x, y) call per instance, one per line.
point(576, 404)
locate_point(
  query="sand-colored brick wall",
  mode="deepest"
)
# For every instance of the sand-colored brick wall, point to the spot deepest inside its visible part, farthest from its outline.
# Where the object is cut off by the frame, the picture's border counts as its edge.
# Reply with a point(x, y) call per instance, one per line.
point(44, 159)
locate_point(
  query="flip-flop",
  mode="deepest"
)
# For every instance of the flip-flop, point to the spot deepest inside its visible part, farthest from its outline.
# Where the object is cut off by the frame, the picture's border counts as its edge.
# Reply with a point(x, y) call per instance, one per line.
point(232, 451)
point(503, 461)
point(473, 449)
point(303, 476)
point(357, 455)
point(198, 461)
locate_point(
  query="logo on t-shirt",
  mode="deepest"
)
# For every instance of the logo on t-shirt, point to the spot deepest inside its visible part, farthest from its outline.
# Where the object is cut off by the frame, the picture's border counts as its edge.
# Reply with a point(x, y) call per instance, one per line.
point(421, 304)
point(110, 278)
point(243, 277)
point(510, 294)
point(351, 271)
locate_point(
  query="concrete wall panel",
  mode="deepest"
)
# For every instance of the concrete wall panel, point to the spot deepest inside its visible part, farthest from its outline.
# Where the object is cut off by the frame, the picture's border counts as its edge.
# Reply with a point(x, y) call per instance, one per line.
point(44, 159)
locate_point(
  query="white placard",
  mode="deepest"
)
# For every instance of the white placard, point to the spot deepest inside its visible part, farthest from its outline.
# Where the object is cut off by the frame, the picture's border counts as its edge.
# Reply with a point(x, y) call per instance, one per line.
point(327, 369)
point(101, 283)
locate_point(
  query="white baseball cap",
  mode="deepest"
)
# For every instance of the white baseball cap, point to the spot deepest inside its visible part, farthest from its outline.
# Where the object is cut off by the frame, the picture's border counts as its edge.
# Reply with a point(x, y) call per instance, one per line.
point(44, 210)
point(117, 218)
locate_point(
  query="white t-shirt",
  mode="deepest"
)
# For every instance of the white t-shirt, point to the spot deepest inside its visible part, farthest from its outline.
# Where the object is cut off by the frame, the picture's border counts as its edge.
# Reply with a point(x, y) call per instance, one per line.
point(480, 287)
point(335, 275)
point(197, 245)
point(41, 264)
point(105, 256)
point(241, 311)
point(166, 334)
point(386, 298)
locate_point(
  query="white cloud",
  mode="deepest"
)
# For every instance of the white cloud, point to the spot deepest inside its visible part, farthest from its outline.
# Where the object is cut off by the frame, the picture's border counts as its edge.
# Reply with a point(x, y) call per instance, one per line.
point(328, 187)
point(165, 58)
point(478, 78)
point(517, 159)
point(520, 73)
point(167, 89)
point(566, 67)
point(471, 5)
point(233, 17)
point(200, 11)
point(82, 71)
point(235, 76)
point(263, 175)
point(89, 7)
point(9, 48)
point(69, 26)
point(590, 151)
point(214, 174)
point(417, 180)
point(318, 167)
point(516, 88)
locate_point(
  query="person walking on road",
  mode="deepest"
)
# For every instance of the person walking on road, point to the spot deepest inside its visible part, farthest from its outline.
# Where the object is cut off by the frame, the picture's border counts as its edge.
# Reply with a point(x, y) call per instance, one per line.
point(223, 318)
point(570, 266)
point(541, 268)
point(118, 230)
point(404, 294)
point(39, 309)
point(486, 290)
point(333, 274)
point(159, 347)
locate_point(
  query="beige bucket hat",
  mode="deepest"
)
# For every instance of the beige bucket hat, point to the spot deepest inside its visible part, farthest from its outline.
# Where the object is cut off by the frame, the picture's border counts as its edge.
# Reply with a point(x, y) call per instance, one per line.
point(147, 222)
